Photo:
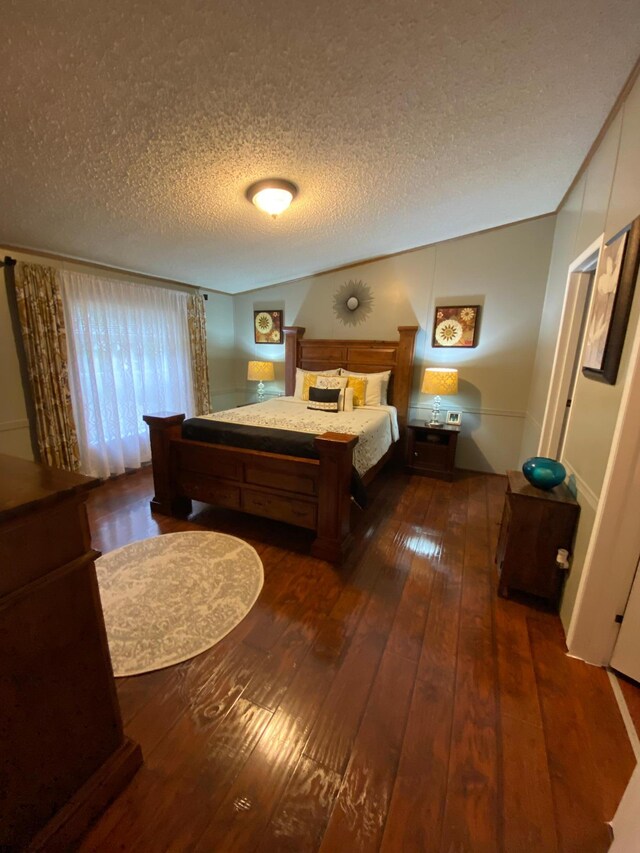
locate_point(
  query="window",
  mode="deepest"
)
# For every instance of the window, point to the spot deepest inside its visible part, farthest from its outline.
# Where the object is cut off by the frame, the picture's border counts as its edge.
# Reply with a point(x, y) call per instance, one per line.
point(129, 355)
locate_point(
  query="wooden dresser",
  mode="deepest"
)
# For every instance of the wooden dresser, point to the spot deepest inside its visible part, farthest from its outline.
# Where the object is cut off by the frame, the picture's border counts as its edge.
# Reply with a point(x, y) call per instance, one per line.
point(535, 524)
point(63, 754)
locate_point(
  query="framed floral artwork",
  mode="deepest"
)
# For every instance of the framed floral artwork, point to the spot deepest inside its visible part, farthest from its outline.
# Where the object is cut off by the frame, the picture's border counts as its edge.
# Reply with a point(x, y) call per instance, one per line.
point(611, 300)
point(455, 326)
point(267, 327)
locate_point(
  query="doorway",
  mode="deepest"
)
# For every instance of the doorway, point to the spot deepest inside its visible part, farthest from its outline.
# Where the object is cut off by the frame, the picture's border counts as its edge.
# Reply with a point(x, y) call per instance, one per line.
point(626, 652)
point(566, 363)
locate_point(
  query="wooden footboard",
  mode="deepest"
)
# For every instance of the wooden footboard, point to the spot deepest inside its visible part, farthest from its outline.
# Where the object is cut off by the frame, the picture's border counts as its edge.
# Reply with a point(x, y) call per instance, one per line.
point(311, 493)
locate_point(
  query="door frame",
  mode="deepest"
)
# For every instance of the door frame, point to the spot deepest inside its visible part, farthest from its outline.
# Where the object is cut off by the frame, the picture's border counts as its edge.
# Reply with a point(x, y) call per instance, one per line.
point(573, 308)
point(612, 554)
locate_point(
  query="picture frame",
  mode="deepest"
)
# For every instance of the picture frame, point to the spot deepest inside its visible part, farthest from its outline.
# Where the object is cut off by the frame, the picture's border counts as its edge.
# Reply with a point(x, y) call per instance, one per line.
point(610, 306)
point(455, 326)
point(454, 418)
point(267, 326)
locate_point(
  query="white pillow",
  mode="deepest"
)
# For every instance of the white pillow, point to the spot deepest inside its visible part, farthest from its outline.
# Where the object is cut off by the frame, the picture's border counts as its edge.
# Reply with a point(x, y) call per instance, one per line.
point(300, 378)
point(334, 382)
point(377, 385)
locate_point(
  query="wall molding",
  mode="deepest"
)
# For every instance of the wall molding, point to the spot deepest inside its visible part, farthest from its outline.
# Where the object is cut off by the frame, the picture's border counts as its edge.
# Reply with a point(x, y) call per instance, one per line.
point(529, 417)
point(5, 426)
point(472, 410)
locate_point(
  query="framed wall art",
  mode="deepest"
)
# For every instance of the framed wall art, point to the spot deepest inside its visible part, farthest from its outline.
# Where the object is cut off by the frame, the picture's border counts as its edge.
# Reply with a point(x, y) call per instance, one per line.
point(267, 327)
point(455, 326)
point(610, 307)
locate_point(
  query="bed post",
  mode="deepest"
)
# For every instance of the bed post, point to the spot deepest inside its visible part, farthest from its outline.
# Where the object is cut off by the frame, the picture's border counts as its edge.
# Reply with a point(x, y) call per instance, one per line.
point(403, 379)
point(292, 336)
point(164, 426)
point(334, 495)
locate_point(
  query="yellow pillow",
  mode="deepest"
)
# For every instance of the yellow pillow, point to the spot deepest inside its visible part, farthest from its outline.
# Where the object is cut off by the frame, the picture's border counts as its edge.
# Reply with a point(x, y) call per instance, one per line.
point(309, 380)
point(359, 386)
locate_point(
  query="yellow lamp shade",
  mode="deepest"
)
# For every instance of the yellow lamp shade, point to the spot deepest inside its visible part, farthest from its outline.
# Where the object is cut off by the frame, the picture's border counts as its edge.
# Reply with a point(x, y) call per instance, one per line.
point(260, 371)
point(440, 380)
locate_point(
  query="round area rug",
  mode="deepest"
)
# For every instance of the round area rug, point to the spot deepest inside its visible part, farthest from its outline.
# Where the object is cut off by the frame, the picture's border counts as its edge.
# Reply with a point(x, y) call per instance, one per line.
point(168, 598)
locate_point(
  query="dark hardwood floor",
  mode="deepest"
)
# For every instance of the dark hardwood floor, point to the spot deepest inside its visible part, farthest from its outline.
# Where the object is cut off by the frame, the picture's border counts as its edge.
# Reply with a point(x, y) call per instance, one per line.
point(396, 704)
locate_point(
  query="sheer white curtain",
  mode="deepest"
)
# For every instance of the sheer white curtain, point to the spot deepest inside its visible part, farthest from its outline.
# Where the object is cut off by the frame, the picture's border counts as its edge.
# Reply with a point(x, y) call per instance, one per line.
point(129, 355)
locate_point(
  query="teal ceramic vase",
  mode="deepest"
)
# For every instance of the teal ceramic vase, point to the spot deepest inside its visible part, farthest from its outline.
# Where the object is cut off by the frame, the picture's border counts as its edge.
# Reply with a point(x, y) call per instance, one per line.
point(544, 473)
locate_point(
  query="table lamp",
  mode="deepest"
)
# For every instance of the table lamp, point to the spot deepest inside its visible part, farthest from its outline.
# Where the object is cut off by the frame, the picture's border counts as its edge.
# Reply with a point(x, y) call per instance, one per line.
point(260, 372)
point(439, 381)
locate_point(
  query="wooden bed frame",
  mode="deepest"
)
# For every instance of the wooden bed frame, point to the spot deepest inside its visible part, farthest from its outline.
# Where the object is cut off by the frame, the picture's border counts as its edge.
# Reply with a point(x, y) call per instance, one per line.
point(311, 493)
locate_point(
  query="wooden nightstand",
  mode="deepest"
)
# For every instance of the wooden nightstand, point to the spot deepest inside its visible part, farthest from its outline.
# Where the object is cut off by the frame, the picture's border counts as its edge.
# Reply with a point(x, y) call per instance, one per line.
point(431, 450)
point(535, 524)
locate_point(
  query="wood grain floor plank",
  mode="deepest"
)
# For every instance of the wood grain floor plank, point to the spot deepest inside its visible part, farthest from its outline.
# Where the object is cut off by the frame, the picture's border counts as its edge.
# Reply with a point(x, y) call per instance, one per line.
point(250, 800)
point(339, 716)
point(333, 734)
point(470, 820)
point(610, 747)
point(360, 811)
point(188, 774)
point(525, 807)
point(225, 663)
point(414, 820)
point(300, 818)
point(517, 677)
point(407, 632)
point(579, 809)
point(527, 800)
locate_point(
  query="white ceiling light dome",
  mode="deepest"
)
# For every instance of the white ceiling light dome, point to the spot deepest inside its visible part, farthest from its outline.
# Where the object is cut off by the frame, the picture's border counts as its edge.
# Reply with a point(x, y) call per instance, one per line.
point(272, 195)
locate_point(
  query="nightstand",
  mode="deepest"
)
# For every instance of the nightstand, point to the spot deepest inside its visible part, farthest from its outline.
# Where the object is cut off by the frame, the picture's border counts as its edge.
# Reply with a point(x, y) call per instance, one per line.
point(431, 450)
point(535, 524)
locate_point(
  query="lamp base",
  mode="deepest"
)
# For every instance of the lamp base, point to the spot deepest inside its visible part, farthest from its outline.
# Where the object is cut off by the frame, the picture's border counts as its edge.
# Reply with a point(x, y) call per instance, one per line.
point(435, 412)
point(261, 391)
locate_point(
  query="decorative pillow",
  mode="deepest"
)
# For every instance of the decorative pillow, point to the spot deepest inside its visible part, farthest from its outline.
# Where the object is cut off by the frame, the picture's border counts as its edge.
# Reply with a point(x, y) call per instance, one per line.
point(308, 380)
point(300, 374)
point(359, 386)
point(377, 385)
point(348, 399)
point(324, 399)
point(339, 382)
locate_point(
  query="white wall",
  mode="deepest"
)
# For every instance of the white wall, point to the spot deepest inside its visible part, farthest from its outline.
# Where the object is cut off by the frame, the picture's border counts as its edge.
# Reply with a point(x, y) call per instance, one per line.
point(221, 350)
point(626, 823)
point(504, 270)
point(606, 199)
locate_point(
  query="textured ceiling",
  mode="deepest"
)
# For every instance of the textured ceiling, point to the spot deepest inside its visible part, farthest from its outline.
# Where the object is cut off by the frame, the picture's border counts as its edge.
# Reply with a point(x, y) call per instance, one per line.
point(130, 129)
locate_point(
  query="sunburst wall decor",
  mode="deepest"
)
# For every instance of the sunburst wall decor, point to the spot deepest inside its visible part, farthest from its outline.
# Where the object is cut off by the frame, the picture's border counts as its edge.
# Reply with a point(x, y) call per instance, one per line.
point(353, 302)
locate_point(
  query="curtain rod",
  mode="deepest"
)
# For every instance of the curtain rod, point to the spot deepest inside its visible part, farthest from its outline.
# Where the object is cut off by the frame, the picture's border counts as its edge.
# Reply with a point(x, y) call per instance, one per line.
point(11, 262)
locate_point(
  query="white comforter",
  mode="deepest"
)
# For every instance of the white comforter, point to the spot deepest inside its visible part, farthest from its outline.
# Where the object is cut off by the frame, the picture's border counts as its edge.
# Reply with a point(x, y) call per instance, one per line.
point(375, 426)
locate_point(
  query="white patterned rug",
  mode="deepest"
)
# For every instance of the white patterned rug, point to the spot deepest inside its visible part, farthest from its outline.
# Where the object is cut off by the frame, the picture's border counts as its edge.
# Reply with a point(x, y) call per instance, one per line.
point(169, 598)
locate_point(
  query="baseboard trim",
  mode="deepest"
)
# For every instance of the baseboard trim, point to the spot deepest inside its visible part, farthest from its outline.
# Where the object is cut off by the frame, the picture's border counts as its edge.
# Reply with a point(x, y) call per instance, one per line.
point(88, 803)
point(629, 725)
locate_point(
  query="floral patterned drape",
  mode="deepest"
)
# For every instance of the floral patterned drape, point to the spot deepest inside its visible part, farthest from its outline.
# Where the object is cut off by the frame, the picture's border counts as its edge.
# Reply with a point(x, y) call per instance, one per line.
point(42, 324)
point(198, 340)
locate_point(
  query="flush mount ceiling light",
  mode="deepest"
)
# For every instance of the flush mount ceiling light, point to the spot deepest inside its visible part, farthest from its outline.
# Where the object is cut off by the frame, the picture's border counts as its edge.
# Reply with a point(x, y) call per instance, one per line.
point(273, 195)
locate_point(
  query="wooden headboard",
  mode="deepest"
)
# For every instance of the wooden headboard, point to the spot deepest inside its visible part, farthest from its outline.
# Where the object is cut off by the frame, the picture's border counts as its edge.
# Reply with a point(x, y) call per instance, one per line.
point(359, 356)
